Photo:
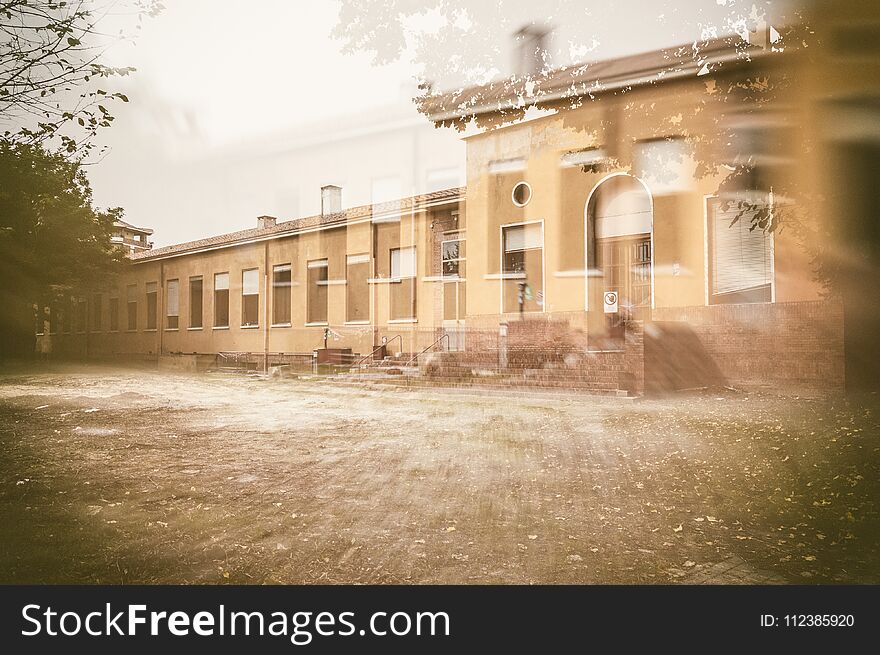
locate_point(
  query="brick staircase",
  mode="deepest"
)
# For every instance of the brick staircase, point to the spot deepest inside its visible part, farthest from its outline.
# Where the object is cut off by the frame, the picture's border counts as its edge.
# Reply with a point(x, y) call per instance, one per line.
point(566, 365)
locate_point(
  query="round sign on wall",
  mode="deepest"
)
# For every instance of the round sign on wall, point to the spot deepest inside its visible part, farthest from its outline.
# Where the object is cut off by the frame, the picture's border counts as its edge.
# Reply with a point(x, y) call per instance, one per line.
point(610, 302)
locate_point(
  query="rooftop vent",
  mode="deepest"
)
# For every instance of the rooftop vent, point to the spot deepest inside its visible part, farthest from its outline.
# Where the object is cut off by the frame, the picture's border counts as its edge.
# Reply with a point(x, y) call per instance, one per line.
point(266, 221)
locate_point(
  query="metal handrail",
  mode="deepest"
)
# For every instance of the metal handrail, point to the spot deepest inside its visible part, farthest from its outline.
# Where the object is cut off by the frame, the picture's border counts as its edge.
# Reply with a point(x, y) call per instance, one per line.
point(378, 348)
point(445, 335)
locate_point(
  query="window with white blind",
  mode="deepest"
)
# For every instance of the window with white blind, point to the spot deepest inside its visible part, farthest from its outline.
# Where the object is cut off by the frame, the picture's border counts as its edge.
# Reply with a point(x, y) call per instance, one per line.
point(172, 304)
point(221, 300)
point(522, 267)
point(741, 259)
point(250, 298)
point(403, 262)
point(522, 237)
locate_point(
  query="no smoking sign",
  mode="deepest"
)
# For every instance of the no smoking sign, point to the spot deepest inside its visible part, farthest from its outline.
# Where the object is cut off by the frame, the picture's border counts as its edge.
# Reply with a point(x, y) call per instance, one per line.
point(610, 298)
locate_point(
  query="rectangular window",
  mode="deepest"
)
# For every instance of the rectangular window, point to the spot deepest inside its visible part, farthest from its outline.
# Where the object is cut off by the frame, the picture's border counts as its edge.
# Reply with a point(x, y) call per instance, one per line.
point(740, 267)
point(357, 289)
point(97, 311)
point(221, 299)
point(131, 306)
point(82, 315)
point(114, 314)
point(195, 302)
point(403, 291)
point(452, 258)
point(316, 303)
point(172, 304)
point(523, 267)
point(152, 304)
point(250, 297)
point(665, 165)
point(281, 280)
point(403, 262)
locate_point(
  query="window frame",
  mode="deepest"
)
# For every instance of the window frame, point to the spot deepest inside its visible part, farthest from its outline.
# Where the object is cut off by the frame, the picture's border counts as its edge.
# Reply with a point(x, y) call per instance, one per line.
point(172, 326)
point(276, 268)
point(215, 305)
point(201, 280)
point(504, 276)
point(321, 262)
point(458, 260)
point(708, 255)
point(242, 324)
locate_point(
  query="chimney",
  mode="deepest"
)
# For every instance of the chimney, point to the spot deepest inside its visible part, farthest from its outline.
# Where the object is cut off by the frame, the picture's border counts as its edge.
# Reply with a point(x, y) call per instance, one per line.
point(760, 33)
point(531, 49)
point(266, 221)
point(331, 199)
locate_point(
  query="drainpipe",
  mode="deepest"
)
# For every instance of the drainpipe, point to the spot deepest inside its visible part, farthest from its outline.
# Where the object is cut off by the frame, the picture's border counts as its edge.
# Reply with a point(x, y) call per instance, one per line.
point(160, 305)
point(266, 307)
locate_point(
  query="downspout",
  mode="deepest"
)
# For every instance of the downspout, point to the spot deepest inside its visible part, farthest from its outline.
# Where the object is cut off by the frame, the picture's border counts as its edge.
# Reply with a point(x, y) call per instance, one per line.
point(266, 307)
point(160, 303)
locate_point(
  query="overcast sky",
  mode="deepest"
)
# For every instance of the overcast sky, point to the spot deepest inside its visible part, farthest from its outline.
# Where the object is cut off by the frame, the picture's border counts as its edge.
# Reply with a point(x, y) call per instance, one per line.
point(215, 75)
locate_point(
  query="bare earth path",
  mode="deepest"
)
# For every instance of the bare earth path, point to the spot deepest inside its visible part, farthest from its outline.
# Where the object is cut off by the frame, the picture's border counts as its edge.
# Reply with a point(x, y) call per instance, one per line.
point(125, 476)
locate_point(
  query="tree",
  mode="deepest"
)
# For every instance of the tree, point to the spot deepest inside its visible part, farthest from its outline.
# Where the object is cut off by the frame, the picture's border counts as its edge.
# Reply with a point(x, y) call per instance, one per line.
point(53, 242)
point(51, 73)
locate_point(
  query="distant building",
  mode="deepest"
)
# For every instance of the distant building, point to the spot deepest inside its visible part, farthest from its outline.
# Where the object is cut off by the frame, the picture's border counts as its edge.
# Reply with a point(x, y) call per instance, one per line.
point(129, 238)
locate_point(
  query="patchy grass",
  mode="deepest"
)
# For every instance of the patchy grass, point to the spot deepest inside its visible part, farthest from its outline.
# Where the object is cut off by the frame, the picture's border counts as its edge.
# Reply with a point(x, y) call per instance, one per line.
point(136, 477)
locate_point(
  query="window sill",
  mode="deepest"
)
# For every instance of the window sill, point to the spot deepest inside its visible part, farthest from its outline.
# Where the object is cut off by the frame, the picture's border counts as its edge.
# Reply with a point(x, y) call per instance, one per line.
point(131, 331)
point(249, 327)
point(220, 327)
point(194, 329)
point(403, 320)
point(172, 329)
point(281, 325)
point(357, 323)
point(150, 330)
point(318, 324)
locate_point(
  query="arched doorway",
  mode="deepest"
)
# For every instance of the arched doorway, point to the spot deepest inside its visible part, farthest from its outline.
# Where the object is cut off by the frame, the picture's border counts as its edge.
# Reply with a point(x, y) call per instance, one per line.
point(619, 248)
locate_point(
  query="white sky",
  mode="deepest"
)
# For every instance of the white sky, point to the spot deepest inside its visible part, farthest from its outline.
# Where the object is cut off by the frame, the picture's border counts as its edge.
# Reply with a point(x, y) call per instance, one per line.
point(250, 68)
point(217, 77)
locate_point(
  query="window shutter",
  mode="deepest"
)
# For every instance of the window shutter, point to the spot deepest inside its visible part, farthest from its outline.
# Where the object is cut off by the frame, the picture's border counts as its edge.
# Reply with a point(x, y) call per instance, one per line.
point(250, 282)
point(403, 262)
point(173, 300)
point(740, 257)
point(523, 237)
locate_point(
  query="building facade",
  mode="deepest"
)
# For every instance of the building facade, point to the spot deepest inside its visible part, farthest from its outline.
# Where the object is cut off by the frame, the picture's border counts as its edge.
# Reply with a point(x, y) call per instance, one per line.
point(638, 211)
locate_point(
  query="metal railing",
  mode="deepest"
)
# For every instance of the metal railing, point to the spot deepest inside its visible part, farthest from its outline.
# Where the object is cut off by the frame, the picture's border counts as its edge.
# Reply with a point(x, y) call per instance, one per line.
point(378, 348)
point(435, 342)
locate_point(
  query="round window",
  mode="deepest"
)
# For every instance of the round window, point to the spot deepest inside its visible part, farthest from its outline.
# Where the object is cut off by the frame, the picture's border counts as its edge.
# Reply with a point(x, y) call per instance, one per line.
point(522, 193)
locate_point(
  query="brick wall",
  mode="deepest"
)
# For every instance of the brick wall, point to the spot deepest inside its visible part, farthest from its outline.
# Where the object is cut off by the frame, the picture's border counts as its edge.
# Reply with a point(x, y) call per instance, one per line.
point(787, 345)
point(545, 354)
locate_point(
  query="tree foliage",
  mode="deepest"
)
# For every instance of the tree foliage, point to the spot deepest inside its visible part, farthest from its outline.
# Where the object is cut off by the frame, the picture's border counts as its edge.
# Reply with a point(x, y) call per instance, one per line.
point(51, 76)
point(53, 242)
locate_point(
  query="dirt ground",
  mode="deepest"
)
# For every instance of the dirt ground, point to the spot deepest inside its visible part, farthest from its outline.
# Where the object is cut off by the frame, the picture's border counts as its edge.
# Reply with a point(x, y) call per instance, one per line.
point(127, 476)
